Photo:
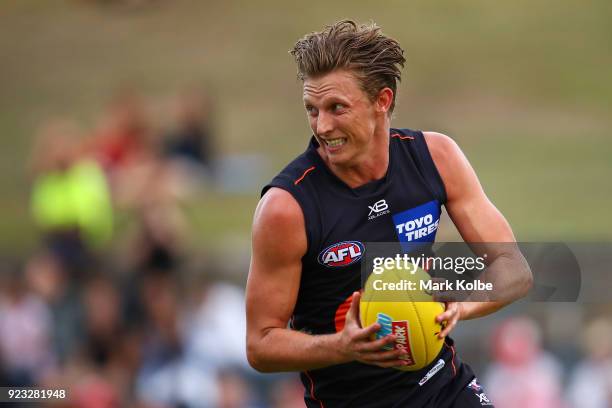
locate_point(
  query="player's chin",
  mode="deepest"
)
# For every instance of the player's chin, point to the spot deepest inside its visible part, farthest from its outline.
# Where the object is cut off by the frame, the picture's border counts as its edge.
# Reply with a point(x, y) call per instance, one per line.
point(339, 161)
point(340, 157)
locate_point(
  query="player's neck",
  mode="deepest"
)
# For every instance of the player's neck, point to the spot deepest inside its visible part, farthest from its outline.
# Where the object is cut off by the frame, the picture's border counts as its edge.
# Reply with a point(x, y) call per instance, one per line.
point(370, 166)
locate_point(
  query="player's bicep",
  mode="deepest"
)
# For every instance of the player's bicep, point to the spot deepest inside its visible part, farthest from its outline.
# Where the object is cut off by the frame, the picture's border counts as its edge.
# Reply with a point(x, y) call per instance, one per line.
point(279, 242)
point(474, 215)
point(478, 220)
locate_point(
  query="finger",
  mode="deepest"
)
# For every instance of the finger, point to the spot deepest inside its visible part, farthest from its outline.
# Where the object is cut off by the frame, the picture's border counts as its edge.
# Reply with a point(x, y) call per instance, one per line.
point(451, 310)
point(444, 317)
point(368, 332)
point(353, 313)
point(382, 356)
point(449, 327)
point(375, 345)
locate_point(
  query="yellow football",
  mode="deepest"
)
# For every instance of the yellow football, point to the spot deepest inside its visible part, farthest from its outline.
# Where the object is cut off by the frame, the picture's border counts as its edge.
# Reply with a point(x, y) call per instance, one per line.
point(405, 310)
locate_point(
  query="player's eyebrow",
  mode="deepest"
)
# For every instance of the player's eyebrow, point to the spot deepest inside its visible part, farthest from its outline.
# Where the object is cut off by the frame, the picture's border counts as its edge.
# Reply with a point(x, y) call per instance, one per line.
point(326, 100)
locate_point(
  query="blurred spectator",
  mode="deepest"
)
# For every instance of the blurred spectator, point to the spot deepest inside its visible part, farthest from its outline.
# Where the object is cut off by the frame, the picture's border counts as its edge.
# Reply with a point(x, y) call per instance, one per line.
point(523, 375)
point(103, 324)
point(190, 143)
point(102, 369)
point(70, 199)
point(234, 391)
point(591, 382)
point(216, 331)
point(47, 278)
point(160, 230)
point(123, 135)
point(167, 378)
point(89, 387)
point(215, 336)
point(143, 184)
point(194, 357)
point(124, 146)
point(287, 393)
point(25, 333)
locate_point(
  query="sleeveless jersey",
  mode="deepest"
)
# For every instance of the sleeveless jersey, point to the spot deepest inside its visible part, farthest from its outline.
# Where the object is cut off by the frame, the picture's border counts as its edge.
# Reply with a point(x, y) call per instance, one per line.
point(404, 206)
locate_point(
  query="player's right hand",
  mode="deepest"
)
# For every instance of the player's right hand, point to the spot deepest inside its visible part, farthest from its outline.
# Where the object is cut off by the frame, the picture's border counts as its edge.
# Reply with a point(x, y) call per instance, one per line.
point(357, 343)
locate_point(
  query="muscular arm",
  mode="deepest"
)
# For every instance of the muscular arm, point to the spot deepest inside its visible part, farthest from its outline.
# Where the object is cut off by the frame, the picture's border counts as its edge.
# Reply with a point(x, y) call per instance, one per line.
point(479, 221)
point(278, 244)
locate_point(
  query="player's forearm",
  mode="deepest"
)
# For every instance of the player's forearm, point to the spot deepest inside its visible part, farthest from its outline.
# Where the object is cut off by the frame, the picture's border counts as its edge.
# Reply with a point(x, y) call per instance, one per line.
point(289, 350)
point(510, 275)
point(511, 278)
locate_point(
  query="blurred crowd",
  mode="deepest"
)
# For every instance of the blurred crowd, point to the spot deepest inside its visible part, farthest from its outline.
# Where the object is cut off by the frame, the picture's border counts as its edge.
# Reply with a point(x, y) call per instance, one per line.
point(113, 306)
point(524, 374)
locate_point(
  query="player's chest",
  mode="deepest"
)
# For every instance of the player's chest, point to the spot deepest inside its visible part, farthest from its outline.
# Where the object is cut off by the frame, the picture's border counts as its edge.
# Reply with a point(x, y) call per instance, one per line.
point(348, 226)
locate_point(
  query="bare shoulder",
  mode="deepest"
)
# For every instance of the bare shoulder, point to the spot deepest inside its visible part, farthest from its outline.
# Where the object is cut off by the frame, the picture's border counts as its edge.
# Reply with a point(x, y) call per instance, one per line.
point(443, 149)
point(279, 222)
point(454, 168)
point(278, 208)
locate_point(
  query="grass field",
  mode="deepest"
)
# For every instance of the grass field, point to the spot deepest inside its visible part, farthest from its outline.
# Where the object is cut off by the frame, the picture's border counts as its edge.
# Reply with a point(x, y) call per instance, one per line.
point(524, 87)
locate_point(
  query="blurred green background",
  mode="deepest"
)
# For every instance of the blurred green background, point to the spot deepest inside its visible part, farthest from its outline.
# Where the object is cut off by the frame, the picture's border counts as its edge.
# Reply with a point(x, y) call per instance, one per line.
point(523, 86)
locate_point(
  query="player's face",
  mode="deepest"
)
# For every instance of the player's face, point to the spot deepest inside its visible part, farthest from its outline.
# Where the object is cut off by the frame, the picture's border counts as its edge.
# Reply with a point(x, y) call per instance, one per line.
point(342, 117)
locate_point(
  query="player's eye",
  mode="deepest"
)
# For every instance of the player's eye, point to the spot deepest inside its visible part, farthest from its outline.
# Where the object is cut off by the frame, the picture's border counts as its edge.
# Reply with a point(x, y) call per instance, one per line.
point(311, 110)
point(337, 107)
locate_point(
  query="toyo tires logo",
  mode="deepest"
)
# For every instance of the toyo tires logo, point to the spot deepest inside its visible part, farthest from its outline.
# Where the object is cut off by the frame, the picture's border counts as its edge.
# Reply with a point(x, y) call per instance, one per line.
point(341, 254)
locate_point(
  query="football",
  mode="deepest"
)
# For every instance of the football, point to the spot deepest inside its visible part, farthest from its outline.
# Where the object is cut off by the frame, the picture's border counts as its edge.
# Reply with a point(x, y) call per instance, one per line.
point(395, 300)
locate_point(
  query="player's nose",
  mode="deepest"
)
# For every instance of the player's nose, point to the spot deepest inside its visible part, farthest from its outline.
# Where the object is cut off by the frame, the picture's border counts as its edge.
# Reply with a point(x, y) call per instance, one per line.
point(325, 124)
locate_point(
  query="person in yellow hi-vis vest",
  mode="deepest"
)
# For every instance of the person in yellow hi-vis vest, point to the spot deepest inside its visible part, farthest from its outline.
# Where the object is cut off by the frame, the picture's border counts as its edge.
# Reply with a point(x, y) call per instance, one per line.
point(70, 197)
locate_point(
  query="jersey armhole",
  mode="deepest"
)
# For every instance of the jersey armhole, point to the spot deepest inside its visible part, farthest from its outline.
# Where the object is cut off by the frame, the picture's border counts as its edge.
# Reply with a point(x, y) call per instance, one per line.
point(430, 171)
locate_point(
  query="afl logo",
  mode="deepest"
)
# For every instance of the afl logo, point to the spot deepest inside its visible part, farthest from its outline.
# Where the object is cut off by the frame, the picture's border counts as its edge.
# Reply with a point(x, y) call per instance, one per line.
point(341, 254)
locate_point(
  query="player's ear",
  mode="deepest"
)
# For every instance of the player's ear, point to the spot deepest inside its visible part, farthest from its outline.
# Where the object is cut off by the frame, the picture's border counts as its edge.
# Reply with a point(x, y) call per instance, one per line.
point(384, 100)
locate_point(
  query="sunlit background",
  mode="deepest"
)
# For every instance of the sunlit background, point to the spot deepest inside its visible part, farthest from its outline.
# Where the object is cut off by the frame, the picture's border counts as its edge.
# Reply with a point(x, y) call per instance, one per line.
point(136, 135)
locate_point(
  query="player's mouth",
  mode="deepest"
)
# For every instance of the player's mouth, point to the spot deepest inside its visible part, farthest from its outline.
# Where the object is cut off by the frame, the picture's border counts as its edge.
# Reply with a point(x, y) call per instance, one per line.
point(335, 143)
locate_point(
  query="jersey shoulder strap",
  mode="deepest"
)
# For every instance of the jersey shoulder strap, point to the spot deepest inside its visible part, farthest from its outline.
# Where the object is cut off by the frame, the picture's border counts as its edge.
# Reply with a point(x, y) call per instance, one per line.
point(413, 142)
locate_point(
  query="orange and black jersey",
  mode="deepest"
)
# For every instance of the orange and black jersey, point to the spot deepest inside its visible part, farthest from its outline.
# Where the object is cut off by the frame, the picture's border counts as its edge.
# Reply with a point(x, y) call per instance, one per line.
point(402, 207)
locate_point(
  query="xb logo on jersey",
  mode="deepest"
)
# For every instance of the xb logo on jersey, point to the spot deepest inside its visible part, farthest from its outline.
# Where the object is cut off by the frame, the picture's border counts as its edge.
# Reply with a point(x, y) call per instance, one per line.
point(483, 399)
point(379, 208)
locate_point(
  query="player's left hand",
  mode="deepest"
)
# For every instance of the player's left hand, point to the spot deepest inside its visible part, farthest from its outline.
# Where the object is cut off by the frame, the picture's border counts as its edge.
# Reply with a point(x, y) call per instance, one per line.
point(449, 318)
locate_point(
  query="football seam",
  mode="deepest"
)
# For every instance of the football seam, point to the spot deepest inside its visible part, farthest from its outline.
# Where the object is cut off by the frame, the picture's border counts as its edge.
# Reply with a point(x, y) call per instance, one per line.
point(416, 311)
